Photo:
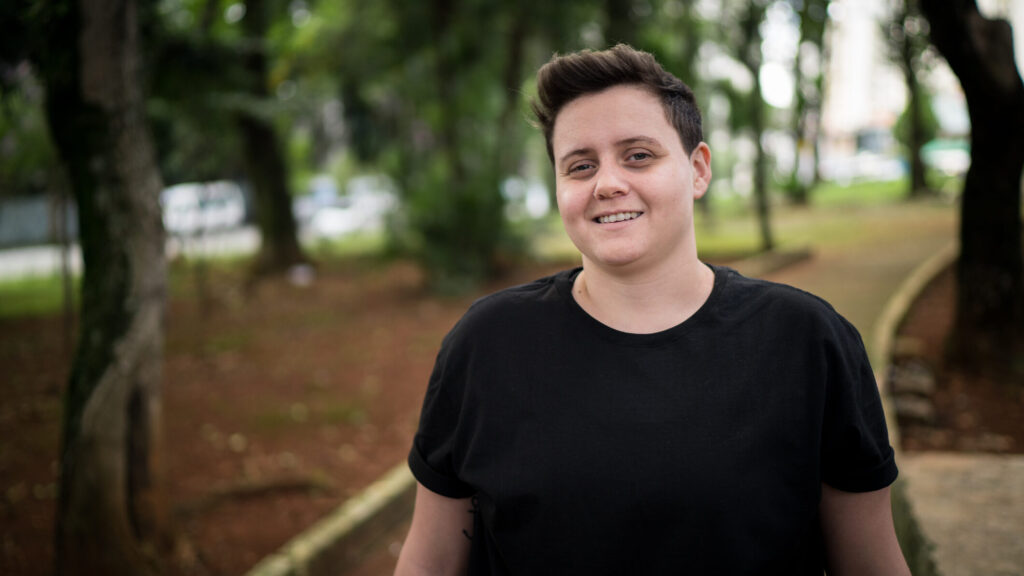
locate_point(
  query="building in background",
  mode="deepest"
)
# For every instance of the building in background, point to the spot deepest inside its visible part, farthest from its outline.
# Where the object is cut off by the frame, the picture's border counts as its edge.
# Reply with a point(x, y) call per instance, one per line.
point(865, 92)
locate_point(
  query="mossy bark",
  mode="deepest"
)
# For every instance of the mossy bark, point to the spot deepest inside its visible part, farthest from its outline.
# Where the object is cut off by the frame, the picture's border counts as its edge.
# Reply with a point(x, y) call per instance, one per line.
point(108, 509)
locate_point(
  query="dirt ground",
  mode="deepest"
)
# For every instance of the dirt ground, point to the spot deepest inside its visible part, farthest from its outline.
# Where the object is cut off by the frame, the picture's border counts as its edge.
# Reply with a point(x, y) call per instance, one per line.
point(974, 411)
point(278, 405)
point(281, 403)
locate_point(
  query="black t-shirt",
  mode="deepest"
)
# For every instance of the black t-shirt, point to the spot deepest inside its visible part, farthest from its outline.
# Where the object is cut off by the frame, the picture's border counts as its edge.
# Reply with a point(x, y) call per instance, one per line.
point(700, 449)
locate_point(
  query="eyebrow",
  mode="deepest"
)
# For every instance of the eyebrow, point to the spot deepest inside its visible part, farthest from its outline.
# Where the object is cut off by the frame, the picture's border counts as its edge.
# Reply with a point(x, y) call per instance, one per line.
point(624, 142)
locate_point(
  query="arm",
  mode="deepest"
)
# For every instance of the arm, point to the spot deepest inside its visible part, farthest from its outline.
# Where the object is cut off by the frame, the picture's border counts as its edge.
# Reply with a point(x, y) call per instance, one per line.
point(859, 533)
point(436, 544)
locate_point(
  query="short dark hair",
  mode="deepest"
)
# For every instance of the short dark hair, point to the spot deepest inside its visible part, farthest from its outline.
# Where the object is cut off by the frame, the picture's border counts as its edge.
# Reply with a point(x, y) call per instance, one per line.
point(567, 77)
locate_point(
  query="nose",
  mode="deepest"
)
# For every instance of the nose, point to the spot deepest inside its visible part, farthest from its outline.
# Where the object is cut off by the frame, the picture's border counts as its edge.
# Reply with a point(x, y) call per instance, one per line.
point(610, 182)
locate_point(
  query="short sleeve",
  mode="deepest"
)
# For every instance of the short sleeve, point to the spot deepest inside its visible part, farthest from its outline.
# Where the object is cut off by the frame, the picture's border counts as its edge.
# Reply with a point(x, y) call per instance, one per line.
point(856, 453)
point(432, 457)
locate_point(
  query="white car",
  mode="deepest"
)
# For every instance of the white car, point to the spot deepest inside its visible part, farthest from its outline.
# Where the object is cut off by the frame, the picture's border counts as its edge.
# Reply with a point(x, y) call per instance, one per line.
point(200, 207)
point(363, 209)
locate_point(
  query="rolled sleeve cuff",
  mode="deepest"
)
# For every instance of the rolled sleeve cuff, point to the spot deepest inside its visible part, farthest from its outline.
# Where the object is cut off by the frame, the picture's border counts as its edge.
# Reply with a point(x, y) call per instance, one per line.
point(876, 478)
point(435, 481)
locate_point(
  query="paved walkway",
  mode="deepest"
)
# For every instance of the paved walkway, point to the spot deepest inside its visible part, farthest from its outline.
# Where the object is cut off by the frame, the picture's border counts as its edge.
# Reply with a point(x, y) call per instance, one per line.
point(859, 278)
point(971, 507)
point(953, 496)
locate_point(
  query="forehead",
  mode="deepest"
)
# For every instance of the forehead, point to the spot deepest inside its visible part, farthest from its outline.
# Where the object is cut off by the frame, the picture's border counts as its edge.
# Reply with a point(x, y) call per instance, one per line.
point(614, 114)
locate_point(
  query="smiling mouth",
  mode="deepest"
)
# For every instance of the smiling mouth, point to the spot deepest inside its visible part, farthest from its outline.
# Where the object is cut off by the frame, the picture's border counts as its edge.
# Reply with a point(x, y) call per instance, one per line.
point(619, 217)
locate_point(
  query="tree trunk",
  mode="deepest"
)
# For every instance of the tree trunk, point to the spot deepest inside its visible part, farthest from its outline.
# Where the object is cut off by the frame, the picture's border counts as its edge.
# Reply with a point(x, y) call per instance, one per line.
point(108, 513)
point(265, 165)
point(62, 238)
point(806, 110)
point(447, 65)
point(750, 54)
point(819, 90)
point(797, 185)
point(918, 185)
point(268, 175)
point(989, 272)
point(510, 150)
point(761, 169)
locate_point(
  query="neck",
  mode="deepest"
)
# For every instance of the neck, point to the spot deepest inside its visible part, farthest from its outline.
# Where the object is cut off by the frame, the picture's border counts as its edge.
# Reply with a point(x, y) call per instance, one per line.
point(644, 302)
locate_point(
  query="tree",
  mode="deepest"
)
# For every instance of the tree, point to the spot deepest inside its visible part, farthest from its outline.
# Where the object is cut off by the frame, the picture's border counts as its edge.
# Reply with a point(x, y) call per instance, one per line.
point(264, 161)
point(916, 126)
point(748, 51)
point(676, 42)
point(430, 94)
point(108, 512)
point(215, 115)
point(907, 34)
point(990, 295)
point(808, 89)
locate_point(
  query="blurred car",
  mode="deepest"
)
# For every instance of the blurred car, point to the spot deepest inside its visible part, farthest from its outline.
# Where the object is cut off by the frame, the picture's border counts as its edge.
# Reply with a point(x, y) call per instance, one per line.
point(951, 157)
point(863, 165)
point(195, 207)
point(364, 208)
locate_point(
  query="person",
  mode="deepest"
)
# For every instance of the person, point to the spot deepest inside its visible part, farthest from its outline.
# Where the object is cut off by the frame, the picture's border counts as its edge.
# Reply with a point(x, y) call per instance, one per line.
point(646, 413)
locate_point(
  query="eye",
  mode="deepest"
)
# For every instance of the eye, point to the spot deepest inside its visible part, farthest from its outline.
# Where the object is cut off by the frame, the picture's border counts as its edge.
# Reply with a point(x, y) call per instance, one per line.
point(579, 168)
point(639, 156)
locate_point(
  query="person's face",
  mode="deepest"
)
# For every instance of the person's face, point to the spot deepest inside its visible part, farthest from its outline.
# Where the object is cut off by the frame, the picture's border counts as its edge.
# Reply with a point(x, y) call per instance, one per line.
point(625, 185)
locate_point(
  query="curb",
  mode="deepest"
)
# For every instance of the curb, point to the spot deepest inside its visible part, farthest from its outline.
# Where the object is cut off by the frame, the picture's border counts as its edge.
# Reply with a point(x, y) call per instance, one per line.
point(896, 309)
point(340, 540)
point(888, 323)
point(900, 301)
point(917, 549)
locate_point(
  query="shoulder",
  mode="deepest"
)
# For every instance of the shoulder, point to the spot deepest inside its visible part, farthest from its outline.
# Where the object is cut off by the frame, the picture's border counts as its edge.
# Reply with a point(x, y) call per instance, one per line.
point(515, 308)
point(788, 307)
point(541, 290)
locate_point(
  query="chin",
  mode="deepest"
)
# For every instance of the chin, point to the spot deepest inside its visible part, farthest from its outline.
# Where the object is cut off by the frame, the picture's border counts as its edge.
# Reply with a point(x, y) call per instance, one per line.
point(615, 261)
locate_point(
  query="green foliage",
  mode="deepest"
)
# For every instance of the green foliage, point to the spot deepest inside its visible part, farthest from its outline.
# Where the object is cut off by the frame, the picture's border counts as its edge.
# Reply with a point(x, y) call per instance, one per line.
point(428, 100)
point(27, 155)
point(431, 93)
point(194, 71)
point(929, 121)
point(197, 53)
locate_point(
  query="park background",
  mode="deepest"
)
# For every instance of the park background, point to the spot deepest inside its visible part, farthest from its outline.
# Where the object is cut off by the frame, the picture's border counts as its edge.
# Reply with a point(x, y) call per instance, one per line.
point(282, 206)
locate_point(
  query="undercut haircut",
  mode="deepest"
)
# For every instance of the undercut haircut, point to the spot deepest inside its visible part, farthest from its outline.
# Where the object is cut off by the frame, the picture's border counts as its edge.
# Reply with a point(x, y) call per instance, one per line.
point(567, 77)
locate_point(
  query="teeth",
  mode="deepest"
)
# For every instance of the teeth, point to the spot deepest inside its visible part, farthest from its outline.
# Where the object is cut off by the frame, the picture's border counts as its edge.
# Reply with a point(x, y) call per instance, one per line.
point(618, 217)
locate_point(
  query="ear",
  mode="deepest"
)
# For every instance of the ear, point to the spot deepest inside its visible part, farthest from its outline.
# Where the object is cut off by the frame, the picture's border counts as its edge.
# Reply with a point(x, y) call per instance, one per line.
point(700, 167)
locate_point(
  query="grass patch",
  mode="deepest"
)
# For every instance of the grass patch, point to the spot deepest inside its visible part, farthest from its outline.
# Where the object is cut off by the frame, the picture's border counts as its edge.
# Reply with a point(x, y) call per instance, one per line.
point(859, 194)
point(341, 413)
point(228, 342)
point(299, 414)
point(274, 420)
point(350, 245)
point(36, 296)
